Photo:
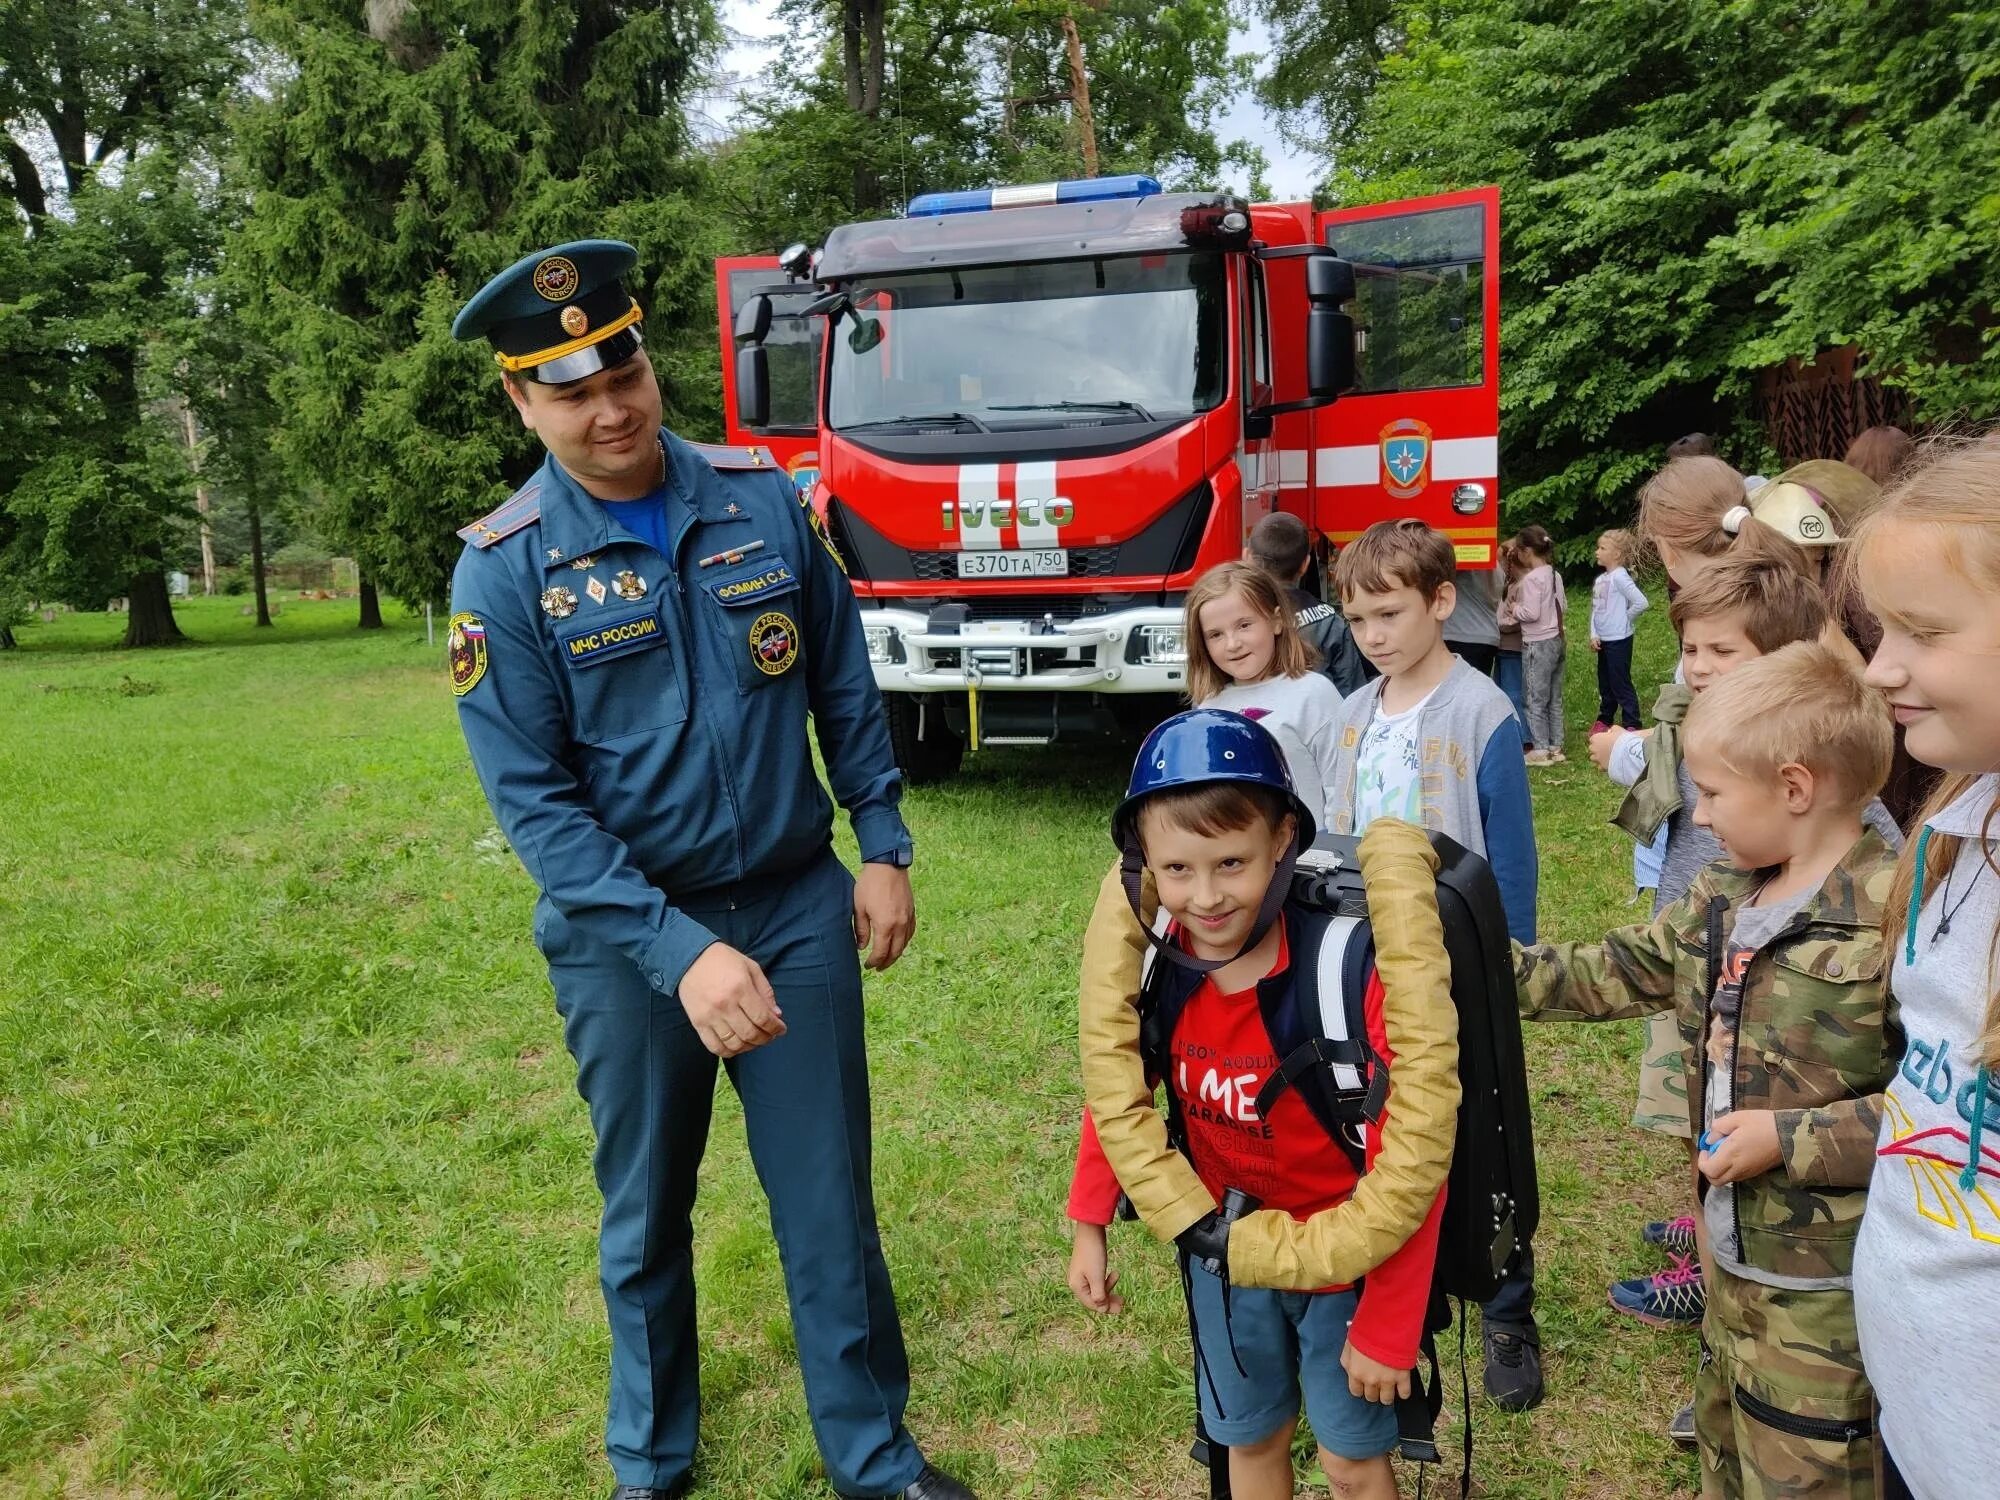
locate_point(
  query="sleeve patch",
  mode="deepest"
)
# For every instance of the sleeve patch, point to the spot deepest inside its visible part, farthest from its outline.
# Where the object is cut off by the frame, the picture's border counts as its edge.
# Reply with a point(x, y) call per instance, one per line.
point(465, 640)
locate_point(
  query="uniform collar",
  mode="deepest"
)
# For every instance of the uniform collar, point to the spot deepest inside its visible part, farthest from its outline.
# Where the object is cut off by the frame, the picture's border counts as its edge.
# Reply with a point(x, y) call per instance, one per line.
point(575, 524)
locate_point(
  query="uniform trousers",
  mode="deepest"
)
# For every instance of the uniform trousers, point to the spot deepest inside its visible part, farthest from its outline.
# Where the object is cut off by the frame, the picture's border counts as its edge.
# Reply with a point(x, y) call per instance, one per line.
point(650, 1085)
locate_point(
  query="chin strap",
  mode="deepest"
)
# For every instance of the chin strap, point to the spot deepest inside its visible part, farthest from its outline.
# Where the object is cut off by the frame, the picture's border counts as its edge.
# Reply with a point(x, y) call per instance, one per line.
point(1132, 866)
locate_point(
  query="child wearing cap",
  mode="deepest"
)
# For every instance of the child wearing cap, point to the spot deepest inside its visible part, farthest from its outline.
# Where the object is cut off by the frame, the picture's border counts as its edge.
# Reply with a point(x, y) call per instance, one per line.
point(1278, 1319)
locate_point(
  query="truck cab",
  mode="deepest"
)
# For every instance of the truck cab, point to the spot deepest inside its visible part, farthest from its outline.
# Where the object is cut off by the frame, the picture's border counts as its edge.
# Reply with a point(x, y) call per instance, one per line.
point(1031, 417)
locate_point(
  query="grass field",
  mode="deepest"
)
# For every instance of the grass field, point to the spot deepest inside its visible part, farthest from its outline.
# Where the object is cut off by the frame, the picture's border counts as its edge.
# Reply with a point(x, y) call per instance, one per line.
point(294, 1185)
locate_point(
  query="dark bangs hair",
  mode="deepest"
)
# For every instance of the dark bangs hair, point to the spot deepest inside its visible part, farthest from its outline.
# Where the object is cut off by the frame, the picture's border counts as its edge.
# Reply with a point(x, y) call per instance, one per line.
point(1217, 807)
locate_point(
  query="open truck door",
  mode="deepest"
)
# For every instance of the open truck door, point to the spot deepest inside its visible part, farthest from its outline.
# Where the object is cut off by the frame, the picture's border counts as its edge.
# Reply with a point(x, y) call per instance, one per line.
point(790, 429)
point(1418, 434)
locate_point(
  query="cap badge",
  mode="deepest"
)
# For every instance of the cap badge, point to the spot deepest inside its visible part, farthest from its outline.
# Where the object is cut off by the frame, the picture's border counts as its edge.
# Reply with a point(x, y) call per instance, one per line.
point(575, 322)
point(555, 279)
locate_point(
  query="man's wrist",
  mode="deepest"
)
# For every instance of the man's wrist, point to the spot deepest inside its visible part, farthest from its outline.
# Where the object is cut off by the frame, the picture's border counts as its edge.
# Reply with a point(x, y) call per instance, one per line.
point(900, 858)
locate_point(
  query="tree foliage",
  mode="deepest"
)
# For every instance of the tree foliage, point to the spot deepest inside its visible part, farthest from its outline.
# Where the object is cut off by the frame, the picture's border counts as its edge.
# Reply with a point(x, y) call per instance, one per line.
point(1691, 194)
point(976, 92)
point(109, 116)
point(403, 157)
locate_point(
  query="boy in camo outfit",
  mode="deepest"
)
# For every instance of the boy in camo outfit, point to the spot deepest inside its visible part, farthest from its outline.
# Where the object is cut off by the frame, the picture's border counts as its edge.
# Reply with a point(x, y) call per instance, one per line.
point(1773, 966)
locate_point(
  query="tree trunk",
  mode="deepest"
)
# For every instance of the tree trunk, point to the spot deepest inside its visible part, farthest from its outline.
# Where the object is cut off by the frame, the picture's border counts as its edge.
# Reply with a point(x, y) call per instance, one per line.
point(7, 641)
point(193, 435)
point(257, 563)
point(371, 607)
point(150, 619)
point(1079, 84)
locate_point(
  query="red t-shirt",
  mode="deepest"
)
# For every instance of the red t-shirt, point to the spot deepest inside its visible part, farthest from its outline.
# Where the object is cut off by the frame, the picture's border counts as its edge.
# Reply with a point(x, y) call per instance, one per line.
point(1221, 1056)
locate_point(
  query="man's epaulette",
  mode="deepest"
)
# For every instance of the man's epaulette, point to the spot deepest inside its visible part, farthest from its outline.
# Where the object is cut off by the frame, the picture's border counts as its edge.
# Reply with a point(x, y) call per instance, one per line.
point(521, 508)
point(735, 455)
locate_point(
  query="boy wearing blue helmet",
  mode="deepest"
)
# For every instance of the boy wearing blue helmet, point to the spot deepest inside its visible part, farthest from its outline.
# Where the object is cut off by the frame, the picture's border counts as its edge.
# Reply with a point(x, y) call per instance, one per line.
point(1213, 818)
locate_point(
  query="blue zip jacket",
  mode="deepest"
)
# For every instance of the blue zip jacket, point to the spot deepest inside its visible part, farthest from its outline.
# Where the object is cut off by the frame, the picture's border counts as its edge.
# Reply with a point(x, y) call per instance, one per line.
point(638, 720)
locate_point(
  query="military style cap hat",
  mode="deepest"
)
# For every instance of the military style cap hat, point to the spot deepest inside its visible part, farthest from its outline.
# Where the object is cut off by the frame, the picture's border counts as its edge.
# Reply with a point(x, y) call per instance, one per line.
point(560, 314)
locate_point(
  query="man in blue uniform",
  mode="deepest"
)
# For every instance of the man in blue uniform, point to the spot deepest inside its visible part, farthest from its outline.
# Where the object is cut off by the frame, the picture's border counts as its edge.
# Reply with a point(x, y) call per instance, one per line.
point(637, 639)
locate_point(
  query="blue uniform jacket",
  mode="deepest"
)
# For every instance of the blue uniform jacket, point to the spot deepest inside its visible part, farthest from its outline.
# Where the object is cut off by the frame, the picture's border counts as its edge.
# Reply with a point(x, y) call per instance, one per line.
point(638, 722)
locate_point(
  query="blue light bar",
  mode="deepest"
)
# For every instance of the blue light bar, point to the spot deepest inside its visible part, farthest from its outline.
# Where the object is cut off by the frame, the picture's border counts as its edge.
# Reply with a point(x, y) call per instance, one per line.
point(1040, 194)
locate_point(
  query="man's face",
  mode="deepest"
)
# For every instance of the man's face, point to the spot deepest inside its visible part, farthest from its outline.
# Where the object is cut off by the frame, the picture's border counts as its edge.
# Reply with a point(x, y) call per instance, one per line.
point(1213, 884)
point(602, 428)
point(1755, 819)
point(1397, 629)
point(1712, 648)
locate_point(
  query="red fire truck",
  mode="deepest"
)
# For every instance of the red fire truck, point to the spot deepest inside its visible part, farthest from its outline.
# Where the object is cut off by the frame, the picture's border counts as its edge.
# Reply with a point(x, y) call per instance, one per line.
point(1031, 417)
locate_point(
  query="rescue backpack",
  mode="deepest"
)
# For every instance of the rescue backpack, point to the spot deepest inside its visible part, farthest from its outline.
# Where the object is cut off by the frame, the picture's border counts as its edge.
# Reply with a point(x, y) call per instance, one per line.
point(1315, 1018)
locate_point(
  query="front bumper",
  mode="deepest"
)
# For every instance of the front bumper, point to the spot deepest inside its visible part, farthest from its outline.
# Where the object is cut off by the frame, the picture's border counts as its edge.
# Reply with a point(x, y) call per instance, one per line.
point(1125, 652)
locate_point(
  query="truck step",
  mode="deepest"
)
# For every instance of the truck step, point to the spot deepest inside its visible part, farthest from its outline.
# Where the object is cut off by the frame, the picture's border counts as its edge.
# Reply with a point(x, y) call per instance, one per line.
point(1018, 739)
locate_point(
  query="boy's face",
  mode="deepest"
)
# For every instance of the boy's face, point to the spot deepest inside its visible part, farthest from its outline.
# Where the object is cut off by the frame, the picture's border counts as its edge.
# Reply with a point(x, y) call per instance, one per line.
point(1213, 884)
point(1397, 629)
point(1713, 647)
point(1754, 818)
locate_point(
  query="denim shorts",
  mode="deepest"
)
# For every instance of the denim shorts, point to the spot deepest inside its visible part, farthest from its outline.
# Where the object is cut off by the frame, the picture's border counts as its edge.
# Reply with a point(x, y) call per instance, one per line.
point(1284, 1343)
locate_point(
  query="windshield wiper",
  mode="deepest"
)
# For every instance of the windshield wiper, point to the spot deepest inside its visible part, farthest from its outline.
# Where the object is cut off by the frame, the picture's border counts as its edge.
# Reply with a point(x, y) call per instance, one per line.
point(1132, 406)
point(918, 421)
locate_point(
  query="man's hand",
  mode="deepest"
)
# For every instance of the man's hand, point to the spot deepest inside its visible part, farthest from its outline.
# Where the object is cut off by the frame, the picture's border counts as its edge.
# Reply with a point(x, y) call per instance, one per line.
point(1602, 744)
point(1089, 1274)
point(1371, 1380)
point(1746, 1145)
point(885, 913)
point(730, 1002)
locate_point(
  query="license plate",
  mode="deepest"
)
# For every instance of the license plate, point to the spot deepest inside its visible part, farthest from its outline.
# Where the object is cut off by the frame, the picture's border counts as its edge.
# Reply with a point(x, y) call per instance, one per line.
point(1046, 562)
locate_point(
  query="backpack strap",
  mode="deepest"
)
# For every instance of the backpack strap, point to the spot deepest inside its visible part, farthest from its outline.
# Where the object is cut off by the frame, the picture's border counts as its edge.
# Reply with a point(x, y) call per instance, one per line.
point(1332, 1065)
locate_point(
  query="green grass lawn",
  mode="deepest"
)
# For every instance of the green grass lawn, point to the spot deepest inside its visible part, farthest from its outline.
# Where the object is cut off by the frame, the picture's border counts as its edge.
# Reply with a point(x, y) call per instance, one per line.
point(295, 1194)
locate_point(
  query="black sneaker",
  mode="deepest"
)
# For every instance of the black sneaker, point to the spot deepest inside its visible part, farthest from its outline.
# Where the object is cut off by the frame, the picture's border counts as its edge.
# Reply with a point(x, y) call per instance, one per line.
point(1513, 1366)
point(1681, 1428)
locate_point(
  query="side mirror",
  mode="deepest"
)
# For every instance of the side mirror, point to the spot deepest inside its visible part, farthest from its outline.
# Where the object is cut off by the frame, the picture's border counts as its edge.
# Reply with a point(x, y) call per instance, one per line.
point(753, 385)
point(1329, 279)
point(1329, 351)
point(867, 333)
point(753, 320)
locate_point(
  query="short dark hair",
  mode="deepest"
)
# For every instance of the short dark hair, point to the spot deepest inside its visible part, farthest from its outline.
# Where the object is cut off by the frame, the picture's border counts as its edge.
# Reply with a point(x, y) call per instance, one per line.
point(1694, 445)
point(1217, 807)
point(1280, 544)
point(1396, 554)
point(1775, 602)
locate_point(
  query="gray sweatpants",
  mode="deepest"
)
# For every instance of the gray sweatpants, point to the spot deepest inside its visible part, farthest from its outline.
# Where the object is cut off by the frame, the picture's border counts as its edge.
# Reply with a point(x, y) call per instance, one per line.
point(1542, 671)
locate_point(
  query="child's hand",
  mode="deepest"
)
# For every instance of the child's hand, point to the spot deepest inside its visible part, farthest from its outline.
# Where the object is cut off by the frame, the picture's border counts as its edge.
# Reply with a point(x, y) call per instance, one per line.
point(1745, 1145)
point(1370, 1379)
point(1602, 744)
point(1596, 644)
point(1089, 1276)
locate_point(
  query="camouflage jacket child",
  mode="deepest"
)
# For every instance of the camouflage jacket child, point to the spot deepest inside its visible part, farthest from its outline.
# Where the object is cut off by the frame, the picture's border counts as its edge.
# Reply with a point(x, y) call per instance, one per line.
point(1817, 1041)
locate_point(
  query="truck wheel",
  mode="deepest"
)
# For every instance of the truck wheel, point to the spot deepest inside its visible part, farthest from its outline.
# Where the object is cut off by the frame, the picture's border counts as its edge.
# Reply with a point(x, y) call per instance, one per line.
point(933, 756)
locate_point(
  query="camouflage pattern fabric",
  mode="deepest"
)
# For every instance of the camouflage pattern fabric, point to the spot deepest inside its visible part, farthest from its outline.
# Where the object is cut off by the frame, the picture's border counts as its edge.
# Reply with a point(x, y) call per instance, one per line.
point(1781, 1406)
point(1817, 1040)
point(1663, 1086)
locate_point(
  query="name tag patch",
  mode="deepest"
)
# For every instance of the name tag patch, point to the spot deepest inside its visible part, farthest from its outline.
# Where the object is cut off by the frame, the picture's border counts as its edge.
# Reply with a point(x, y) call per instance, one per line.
point(601, 643)
point(776, 579)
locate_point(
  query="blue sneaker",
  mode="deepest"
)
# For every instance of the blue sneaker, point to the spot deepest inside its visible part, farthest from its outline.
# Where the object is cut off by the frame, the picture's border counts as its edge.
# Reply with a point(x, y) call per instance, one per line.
point(1669, 1299)
point(1675, 1236)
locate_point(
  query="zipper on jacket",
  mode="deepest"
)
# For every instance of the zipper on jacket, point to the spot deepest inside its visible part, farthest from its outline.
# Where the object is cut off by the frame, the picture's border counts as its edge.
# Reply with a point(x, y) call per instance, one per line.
point(1821, 1429)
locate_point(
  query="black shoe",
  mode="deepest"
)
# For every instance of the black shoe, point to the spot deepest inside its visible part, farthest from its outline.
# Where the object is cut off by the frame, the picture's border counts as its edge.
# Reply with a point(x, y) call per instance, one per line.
point(1681, 1428)
point(650, 1491)
point(933, 1484)
point(1513, 1366)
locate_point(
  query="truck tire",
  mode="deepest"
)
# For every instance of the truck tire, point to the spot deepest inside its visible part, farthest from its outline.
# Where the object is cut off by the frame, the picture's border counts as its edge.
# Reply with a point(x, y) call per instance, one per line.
point(932, 757)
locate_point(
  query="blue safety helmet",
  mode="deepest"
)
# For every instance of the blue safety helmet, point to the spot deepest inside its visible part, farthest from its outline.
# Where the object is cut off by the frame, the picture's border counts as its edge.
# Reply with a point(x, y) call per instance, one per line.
point(1206, 745)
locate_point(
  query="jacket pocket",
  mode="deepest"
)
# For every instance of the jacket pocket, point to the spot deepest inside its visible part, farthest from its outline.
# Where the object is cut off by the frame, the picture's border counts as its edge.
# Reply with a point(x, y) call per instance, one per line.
point(756, 612)
point(623, 675)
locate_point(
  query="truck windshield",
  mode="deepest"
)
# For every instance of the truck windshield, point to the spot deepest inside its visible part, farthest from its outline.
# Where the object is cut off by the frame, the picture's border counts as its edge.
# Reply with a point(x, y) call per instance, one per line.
point(1054, 343)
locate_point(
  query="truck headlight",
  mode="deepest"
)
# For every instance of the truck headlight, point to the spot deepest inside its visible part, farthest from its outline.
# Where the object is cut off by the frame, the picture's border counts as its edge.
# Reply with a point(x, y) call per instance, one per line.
point(1161, 646)
point(881, 643)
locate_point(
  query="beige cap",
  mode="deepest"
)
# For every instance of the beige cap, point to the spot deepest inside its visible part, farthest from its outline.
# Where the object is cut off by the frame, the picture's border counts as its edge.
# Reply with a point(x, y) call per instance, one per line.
point(1792, 510)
